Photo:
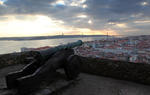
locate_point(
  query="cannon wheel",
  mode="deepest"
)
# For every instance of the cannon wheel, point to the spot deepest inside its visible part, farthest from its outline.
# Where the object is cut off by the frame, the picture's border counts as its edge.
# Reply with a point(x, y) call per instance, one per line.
point(72, 67)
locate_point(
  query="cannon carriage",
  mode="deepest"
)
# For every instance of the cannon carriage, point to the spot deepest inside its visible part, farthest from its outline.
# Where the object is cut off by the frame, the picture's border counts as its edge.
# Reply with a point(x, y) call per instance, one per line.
point(43, 65)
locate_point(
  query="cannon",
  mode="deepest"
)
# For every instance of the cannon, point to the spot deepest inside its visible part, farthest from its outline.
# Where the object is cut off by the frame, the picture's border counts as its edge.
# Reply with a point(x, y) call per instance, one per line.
point(43, 65)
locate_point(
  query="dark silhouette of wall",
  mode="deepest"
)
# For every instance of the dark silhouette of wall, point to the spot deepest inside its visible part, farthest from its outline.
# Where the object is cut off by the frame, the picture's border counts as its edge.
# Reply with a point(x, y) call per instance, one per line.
point(137, 72)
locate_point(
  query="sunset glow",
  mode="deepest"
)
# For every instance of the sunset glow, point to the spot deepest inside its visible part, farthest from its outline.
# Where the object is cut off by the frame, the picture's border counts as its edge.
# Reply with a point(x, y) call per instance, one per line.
point(1, 2)
point(73, 17)
point(32, 26)
point(40, 26)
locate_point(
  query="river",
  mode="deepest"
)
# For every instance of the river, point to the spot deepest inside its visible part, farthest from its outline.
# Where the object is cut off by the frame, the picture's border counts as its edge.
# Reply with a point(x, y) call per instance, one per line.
point(14, 46)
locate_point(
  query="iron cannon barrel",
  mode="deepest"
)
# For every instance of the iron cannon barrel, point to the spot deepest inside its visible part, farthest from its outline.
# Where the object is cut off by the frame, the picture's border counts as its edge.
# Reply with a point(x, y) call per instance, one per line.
point(45, 54)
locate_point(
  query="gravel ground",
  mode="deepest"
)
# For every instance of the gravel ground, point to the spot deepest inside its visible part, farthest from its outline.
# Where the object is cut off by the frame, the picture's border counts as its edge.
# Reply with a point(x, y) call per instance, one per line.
point(91, 85)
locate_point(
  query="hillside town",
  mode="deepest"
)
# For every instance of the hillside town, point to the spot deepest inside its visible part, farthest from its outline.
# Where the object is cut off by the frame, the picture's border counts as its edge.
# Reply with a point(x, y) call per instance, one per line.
point(132, 49)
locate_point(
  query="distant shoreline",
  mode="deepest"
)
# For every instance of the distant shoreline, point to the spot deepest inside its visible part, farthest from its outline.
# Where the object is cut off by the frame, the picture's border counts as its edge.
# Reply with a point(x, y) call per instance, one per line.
point(60, 37)
point(46, 37)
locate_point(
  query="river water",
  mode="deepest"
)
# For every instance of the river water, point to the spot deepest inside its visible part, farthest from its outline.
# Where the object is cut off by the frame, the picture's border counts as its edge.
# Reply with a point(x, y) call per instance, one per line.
point(15, 46)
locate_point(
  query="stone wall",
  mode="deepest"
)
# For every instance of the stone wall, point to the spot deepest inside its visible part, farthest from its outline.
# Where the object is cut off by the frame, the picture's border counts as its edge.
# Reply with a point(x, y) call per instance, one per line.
point(13, 58)
point(137, 72)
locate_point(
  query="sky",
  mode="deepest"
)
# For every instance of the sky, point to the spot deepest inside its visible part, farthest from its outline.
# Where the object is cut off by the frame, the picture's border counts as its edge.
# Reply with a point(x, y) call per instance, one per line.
point(74, 17)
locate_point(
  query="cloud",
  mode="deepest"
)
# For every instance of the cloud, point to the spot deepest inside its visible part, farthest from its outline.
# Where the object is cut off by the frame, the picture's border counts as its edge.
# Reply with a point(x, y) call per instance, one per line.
point(3, 18)
point(118, 15)
point(26, 6)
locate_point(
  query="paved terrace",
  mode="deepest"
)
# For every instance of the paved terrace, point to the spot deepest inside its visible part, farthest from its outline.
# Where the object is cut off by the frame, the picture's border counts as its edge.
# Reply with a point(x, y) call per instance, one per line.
point(85, 85)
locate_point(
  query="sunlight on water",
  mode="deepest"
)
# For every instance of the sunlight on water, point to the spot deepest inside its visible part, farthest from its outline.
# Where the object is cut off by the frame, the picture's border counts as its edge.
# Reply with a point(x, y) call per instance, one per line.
point(14, 46)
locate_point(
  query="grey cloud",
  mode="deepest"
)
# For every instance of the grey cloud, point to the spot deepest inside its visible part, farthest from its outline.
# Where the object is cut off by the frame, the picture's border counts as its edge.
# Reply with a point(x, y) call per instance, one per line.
point(43, 7)
point(26, 6)
point(118, 11)
point(126, 6)
point(101, 12)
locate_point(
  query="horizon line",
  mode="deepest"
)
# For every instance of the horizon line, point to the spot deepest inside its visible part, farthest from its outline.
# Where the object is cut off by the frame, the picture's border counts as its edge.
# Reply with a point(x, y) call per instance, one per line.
point(65, 35)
